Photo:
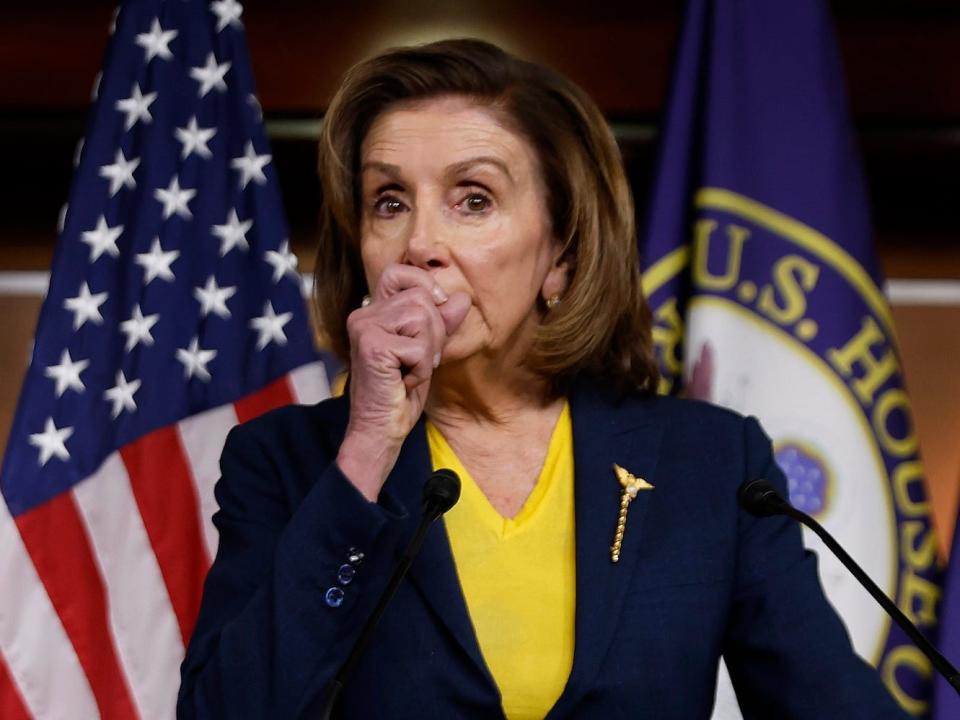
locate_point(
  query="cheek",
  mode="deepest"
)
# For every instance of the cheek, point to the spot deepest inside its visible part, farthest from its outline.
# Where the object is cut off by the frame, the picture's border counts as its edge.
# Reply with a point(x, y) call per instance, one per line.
point(505, 277)
point(378, 248)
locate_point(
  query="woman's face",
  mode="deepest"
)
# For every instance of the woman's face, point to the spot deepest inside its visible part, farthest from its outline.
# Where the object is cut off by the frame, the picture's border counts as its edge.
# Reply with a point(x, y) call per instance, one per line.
point(447, 188)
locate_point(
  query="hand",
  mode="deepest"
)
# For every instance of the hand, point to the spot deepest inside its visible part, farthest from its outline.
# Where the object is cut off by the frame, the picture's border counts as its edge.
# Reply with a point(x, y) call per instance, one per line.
point(395, 344)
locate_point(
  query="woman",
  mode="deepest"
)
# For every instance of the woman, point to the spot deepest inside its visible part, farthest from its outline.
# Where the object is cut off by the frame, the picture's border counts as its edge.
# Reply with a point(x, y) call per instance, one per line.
point(478, 270)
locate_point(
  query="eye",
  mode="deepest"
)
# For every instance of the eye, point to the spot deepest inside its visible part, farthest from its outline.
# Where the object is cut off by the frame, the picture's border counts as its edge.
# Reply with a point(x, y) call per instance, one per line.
point(476, 203)
point(387, 205)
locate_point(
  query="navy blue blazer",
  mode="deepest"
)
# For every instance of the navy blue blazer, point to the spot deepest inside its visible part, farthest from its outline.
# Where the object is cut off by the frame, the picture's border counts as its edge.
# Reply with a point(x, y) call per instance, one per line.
point(698, 578)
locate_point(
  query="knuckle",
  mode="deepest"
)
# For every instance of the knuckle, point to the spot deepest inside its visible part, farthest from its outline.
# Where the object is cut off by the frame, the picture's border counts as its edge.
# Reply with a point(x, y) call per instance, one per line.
point(378, 354)
point(412, 321)
point(365, 346)
point(417, 318)
point(355, 322)
point(425, 303)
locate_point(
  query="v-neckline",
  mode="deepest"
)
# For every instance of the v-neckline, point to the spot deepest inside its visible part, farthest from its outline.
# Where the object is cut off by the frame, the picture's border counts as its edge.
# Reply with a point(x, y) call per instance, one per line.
point(503, 527)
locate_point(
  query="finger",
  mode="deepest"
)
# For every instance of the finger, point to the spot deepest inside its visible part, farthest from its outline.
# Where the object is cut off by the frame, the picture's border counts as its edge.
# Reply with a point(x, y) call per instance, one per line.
point(380, 340)
point(386, 355)
point(407, 313)
point(454, 311)
point(396, 278)
point(414, 314)
point(411, 313)
point(416, 359)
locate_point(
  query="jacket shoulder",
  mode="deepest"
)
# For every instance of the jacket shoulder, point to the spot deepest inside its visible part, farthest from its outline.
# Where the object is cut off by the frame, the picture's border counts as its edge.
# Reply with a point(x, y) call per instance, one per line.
point(697, 433)
point(690, 417)
point(296, 427)
point(697, 411)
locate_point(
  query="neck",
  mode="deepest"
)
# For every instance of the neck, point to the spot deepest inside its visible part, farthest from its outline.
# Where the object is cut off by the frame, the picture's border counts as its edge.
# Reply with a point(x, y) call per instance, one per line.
point(474, 391)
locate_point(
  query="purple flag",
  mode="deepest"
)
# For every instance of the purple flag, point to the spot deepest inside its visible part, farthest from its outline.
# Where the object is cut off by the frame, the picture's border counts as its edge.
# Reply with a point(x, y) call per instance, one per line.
point(766, 291)
point(946, 702)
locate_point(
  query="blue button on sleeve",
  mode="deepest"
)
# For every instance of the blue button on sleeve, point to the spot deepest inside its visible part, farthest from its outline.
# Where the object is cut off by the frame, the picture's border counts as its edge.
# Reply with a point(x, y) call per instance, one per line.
point(334, 597)
point(345, 574)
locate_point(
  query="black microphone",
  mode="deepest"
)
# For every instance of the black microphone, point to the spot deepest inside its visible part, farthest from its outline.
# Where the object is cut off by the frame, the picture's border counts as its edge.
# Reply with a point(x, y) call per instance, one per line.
point(761, 499)
point(440, 493)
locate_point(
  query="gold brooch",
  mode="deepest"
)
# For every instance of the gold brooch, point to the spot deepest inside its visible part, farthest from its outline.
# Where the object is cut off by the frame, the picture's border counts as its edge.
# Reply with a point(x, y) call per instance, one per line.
point(631, 486)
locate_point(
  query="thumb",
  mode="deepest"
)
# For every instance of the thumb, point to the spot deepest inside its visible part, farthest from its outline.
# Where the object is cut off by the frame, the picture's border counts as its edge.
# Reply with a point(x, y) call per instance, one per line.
point(454, 310)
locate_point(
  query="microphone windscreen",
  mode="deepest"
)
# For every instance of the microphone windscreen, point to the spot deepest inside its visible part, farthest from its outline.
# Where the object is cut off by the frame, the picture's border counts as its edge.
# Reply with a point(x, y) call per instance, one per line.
point(441, 491)
point(760, 498)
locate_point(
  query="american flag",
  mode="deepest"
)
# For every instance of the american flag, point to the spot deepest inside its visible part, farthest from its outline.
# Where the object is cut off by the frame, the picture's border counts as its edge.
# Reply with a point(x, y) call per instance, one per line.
point(174, 311)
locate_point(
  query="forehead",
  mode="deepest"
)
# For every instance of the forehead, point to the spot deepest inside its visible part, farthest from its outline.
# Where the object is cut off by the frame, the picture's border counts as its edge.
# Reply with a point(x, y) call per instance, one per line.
point(443, 131)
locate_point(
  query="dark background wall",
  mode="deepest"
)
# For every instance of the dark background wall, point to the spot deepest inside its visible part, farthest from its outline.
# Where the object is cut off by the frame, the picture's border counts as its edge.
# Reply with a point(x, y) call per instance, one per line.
point(902, 61)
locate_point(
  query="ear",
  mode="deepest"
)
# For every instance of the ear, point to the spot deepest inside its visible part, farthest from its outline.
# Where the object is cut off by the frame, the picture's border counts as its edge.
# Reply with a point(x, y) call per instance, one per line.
point(557, 280)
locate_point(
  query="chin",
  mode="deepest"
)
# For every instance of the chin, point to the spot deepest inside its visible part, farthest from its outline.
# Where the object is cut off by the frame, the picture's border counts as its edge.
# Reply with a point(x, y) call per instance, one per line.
point(457, 349)
point(464, 344)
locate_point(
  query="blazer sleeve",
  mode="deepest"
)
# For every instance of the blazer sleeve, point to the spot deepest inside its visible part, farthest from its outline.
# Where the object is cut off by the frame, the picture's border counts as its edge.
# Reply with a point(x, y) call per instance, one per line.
point(786, 649)
point(267, 641)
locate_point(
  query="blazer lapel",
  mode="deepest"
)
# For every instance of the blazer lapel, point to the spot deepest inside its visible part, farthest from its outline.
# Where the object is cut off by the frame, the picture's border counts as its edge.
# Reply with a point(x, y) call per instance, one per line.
point(604, 434)
point(434, 572)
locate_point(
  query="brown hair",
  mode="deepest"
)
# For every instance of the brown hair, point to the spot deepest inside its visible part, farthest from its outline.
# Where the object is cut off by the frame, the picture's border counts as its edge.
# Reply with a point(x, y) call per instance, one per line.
point(603, 325)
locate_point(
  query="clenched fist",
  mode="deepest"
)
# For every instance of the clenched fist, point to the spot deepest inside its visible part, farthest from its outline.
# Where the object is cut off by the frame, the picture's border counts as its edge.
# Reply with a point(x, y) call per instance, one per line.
point(396, 342)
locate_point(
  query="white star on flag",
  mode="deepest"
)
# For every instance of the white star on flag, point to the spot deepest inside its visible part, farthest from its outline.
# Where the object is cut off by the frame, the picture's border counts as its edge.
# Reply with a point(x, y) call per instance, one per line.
point(156, 263)
point(228, 12)
point(51, 442)
point(210, 76)
point(194, 139)
point(270, 326)
point(136, 106)
point(213, 299)
point(67, 374)
point(102, 239)
point(137, 328)
point(195, 360)
point(85, 306)
point(175, 199)
point(121, 395)
point(156, 42)
point(233, 233)
point(283, 261)
point(120, 173)
point(250, 165)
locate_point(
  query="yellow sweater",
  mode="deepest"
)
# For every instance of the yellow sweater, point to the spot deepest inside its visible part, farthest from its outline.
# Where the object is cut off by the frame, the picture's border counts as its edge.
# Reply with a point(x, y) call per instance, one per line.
point(519, 576)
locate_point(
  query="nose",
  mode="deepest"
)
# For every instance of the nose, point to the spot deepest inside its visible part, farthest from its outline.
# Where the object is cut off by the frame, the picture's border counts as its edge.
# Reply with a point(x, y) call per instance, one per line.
point(425, 246)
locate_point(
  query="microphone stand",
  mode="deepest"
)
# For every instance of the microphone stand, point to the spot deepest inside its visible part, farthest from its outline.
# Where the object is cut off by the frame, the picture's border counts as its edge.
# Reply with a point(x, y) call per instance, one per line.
point(760, 498)
point(440, 494)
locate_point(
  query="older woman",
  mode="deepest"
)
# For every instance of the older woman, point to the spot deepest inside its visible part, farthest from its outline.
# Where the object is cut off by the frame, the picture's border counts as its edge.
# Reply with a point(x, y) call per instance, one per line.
point(478, 269)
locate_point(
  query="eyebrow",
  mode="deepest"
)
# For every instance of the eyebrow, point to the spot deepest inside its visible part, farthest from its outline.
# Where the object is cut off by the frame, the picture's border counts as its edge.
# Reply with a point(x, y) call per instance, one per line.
point(386, 168)
point(464, 165)
point(459, 168)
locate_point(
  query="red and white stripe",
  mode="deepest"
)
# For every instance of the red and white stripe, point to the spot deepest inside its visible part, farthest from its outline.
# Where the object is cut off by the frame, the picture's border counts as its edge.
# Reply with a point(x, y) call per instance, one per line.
point(101, 585)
